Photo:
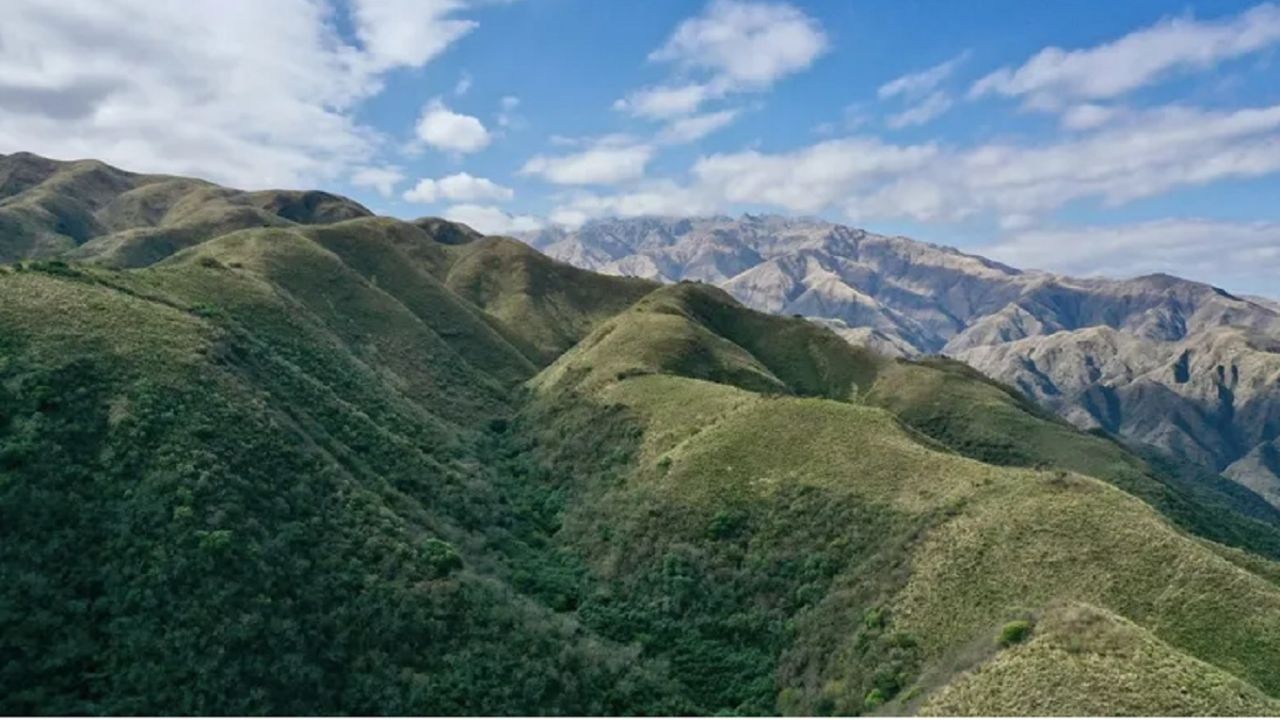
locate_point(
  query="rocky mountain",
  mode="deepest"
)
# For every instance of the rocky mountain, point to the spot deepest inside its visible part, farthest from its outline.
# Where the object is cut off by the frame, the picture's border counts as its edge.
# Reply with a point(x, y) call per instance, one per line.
point(1158, 360)
point(357, 465)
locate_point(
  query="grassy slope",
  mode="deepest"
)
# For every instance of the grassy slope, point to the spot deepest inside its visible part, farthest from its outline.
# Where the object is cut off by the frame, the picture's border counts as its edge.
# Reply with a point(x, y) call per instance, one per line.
point(546, 304)
point(976, 417)
point(760, 552)
point(822, 544)
point(1128, 670)
point(697, 331)
point(240, 480)
point(93, 211)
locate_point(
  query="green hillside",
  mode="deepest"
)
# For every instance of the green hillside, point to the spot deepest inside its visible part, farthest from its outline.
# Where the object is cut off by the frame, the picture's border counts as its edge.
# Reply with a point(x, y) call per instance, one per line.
point(977, 417)
point(872, 566)
point(89, 210)
point(346, 464)
point(1128, 670)
point(547, 305)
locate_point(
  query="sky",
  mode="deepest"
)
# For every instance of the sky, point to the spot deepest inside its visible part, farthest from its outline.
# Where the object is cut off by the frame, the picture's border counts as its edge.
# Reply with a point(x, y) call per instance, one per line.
point(1084, 137)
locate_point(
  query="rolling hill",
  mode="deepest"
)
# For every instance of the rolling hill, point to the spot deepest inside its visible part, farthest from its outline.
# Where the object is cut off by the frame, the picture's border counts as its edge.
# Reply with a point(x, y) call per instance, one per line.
point(1162, 362)
point(359, 465)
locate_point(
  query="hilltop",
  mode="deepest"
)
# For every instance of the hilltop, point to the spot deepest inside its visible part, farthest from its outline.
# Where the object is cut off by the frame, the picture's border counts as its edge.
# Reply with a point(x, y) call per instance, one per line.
point(1165, 363)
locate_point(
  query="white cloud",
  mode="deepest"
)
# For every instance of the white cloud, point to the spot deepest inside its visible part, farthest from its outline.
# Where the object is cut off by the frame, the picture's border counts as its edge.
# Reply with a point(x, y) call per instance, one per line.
point(402, 32)
point(1087, 116)
point(463, 86)
point(924, 111)
point(1141, 155)
point(655, 198)
point(917, 84)
point(665, 101)
point(1228, 254)
point(736, 46)
point(696, 127)
point(746, 44)
point(569, 217)
point(604, 163)
point(1148, 154)
point(1054, 77)
point(491, 220)
point(460, 187)
point(225, 91)
point(507, 116)
point(383, 179)
point(809, 179)
point(447, 130)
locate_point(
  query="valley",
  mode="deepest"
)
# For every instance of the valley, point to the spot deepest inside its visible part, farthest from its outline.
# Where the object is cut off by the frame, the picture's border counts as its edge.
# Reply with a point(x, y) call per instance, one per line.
point(295, 458)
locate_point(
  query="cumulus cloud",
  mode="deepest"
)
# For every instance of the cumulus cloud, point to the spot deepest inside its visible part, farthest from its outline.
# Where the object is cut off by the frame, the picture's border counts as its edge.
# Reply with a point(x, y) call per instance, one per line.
point(604, 163)
point(460, 187)
point(746, 43)
point(665, 101)
point(383, 179)
point(1055, 77)
point(221, 90)
point(1228, 254)
point(405, 32)
point(491, 220)
point(918, 84)
point(444, 129)
point(734, 46)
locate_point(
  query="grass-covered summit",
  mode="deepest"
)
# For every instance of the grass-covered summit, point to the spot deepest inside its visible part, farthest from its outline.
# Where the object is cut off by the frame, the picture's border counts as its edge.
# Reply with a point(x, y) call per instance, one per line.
point(332, 463)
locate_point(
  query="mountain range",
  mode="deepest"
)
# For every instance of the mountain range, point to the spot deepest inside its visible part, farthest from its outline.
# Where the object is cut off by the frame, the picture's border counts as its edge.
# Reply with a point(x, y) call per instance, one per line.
point(267, 453)
point(1160, 361)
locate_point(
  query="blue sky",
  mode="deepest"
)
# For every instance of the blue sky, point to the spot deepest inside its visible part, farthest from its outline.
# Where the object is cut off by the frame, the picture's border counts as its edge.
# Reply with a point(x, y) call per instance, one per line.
point(1082, 137)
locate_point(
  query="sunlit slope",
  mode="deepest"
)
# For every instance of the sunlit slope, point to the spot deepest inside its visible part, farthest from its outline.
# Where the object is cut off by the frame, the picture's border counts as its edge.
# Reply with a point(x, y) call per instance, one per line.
point(977, 417)
point(811, 555)
point(698, 331)
point(1127, 670)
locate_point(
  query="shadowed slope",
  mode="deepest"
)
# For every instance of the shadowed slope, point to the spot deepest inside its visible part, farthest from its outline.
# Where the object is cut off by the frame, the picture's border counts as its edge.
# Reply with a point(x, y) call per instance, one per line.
point(249, 481)
point(547, 304)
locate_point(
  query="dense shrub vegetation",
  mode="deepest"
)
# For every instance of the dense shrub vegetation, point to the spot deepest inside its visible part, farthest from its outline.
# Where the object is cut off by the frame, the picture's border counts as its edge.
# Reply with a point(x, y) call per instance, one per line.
point(298, 472)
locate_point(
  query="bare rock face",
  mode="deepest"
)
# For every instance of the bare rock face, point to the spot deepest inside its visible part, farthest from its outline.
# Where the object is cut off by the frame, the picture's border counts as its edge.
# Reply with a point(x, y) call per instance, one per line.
point(1159, 360)
point(1259, 471)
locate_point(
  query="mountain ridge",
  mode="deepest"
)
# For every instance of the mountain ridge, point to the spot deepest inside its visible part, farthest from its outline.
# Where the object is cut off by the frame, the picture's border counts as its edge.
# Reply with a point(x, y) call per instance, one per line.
point(1029, 328)
point(370, 466)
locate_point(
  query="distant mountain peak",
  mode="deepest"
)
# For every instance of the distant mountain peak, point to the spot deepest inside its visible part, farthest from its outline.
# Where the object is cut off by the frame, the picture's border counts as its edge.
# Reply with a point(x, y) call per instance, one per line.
point(1064, 341)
